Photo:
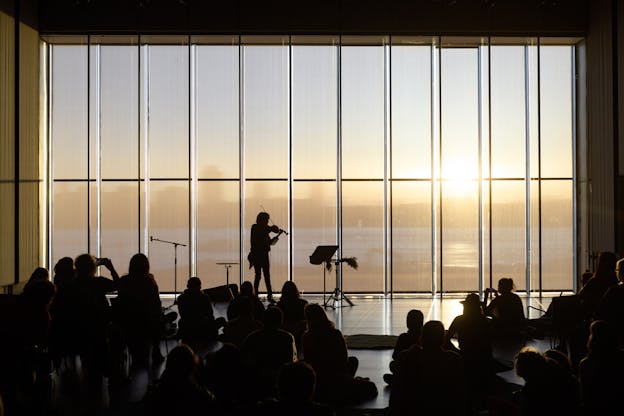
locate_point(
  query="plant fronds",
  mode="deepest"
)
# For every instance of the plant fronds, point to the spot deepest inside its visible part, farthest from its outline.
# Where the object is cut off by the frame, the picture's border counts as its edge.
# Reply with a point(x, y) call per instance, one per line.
point(351, 261)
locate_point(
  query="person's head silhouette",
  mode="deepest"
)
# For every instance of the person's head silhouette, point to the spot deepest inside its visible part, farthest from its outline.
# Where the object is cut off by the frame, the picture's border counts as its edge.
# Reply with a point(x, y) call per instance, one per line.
point(273, 318)
point(193, 284)
point(85, 265)
point(296, 382)
point(262, 218)
point(139, 265)
point(290, 290)
point(472, 305)
point(415, 320)
point(64, 267)
point(530, 364)
point(181, 364)
point(317, 318)
point(432, 336)
point(505, 285)
point(247, 289)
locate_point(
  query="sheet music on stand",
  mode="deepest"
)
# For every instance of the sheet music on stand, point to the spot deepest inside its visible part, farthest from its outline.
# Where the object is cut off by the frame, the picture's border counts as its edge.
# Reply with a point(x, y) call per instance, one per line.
point(323, 254)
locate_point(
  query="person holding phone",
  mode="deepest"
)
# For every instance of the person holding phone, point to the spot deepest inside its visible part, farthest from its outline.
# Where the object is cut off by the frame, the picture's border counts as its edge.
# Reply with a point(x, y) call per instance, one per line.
point(94, 313)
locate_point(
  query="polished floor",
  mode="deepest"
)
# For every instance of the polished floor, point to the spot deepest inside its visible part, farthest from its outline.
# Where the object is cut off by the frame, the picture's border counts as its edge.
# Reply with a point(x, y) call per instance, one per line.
point(369, 315)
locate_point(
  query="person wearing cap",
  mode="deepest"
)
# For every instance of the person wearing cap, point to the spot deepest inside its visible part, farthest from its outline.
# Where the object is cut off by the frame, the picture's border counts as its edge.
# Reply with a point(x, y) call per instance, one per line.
point(474, 336)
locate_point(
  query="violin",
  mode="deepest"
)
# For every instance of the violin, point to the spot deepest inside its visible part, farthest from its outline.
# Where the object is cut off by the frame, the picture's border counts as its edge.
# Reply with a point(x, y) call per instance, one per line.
point(279, 232)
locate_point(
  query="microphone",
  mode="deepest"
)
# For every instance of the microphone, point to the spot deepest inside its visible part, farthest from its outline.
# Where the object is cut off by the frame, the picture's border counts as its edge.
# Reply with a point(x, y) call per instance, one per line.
point(151, 238)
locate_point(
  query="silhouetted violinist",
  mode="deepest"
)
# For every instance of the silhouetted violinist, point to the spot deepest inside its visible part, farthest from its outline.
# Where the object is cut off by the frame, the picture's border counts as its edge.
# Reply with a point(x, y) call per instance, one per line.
point(261, 243)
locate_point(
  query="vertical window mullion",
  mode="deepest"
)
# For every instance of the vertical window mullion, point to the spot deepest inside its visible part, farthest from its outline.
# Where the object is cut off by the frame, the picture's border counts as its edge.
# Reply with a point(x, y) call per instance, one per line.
point(480, 166)
point(527, 178)
point(489, 133)
point(387, 203)
point(440, 224)
point(339, 160)
point(50, 83)
point(192, 51)
point(539, 164)
point(88, 143)
point(241, 155)
point(574, 179)
point(98, 152)
point(290, 161)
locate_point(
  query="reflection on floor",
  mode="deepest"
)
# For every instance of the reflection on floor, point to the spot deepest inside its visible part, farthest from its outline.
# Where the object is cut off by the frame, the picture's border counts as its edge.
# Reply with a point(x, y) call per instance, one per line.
point(370, 315)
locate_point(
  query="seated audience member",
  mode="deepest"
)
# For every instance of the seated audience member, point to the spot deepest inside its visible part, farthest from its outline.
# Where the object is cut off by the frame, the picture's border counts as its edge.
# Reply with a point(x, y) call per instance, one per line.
point(473, 333)
point(39, 277)
point(292, 307)
point(295, 385)
point(140, 311)
point(178, 392)
point(604, 278)
point(64, 272)
point(35, 316)
point(585, 278)
point(197, 322)
point(405, 341)
point(236, 330)
point(31, 367)
point(564, 388)
point(63, 312)
point(540, 395)
point(474, 337)
point(246, 294)
point(226, 377)
point(324, 348)
point(600, 373)
point(506, 309)
point(94, 312)
point(611, 307)
point(428, 380)
point(266, 350)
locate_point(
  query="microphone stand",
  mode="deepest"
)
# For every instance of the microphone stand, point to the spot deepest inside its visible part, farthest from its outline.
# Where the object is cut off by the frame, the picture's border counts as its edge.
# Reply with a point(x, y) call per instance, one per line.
point(175, 264)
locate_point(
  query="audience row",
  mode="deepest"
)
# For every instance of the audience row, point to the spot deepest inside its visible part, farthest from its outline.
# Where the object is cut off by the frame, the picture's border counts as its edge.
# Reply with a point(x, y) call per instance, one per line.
point(288, 358)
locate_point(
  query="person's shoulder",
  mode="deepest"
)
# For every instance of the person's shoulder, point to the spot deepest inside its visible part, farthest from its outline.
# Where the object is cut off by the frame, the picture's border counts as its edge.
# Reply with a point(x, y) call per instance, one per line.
point(411, 351)
point(457, 321)
point(452, 355)
point(336, 334)
point(182, 297)
point(453, 358)
point(404, 336)
point(284, 334)
point(617, 290)
point(253, 337)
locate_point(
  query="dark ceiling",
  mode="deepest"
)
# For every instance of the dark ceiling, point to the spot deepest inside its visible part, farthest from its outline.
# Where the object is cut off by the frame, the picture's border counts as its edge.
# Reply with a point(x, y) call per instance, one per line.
point(407, 17)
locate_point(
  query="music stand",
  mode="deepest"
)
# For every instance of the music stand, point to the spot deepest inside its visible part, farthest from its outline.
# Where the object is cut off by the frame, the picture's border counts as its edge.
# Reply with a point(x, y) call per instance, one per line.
point(338, 295)
point(323, 254)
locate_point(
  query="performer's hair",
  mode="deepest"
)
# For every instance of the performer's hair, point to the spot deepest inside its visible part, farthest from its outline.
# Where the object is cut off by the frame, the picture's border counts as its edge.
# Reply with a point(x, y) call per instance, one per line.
point(262, 217)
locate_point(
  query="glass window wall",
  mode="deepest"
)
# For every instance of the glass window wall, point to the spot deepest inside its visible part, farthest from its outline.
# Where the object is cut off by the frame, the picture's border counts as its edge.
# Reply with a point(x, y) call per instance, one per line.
point(441, 164)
